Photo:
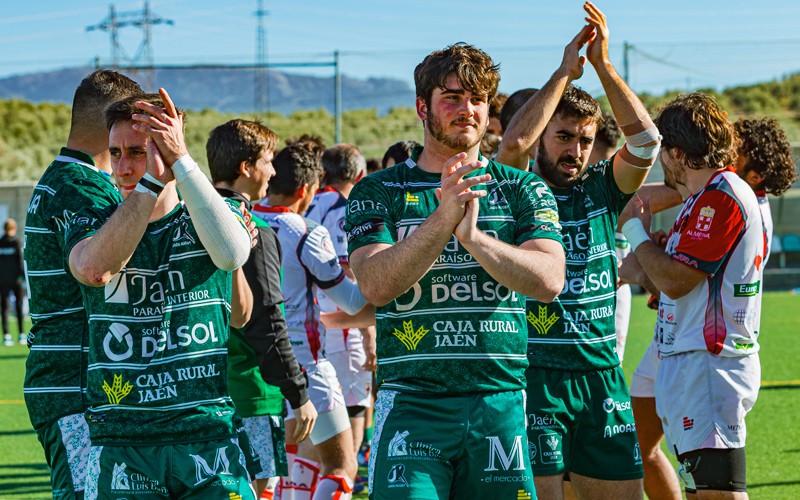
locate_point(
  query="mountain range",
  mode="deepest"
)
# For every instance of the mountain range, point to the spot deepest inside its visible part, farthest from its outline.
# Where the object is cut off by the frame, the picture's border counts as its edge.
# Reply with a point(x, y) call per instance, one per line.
point(225, 90)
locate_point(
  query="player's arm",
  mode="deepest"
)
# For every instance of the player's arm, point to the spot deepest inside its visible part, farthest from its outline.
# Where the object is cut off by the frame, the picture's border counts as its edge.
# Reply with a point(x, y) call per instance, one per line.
point(340, 319)
point(96, 259)
point(241, 301)
point(221, 231)
point(632, 163)
point(530, 121)
point(535, 269)
point(660, 197)
point(631, 273)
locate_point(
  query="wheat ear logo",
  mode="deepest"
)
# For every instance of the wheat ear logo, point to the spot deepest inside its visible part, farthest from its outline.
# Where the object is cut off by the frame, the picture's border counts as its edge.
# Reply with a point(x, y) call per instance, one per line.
point(116, 392)
point(542, 323)
point(408, 336)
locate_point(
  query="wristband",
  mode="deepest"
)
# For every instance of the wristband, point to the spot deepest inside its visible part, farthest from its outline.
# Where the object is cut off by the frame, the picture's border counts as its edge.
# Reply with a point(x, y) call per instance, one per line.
point(141, 188)
point(635, 233)
point(182, 167)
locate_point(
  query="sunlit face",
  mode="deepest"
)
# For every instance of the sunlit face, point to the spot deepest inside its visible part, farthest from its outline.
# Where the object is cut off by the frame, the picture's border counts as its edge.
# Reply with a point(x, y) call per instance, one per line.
point(564, 149)
point(260, 174)
point(456, 118)
point(494, 127)
point(673, 171)
point(128, 155)
point(306, 202)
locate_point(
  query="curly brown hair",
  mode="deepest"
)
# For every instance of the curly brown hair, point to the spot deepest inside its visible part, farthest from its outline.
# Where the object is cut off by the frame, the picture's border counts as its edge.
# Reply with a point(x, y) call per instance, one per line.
point(697, 125)
point(767, 152)
point(474, 68)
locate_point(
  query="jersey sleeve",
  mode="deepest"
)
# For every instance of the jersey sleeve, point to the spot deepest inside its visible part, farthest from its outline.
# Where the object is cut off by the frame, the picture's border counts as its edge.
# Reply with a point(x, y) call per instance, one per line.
point(83, 224)
point(317, 254)
point(711, 230)
point(537, 213)
point(604, 176)
point(367, 219)
point(78, 195)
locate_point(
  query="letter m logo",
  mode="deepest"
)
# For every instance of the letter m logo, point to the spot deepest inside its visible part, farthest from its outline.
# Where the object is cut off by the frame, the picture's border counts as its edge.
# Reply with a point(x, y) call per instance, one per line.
point(204, 471)
point(496, 451)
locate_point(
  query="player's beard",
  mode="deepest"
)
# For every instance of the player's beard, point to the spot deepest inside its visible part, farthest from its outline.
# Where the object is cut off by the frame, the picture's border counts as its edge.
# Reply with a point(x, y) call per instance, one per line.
point(459, 143)
point(552, 173)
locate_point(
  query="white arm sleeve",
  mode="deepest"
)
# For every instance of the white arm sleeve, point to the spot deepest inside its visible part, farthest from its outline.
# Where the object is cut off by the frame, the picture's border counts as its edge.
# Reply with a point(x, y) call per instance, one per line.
point(221, 231)
point(347, 296)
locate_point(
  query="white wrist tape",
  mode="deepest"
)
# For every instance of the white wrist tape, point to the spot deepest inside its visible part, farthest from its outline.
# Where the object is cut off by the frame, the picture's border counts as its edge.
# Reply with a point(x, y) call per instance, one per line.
point(644, 137)
point(635, 233)
point(222, 233)
point(142, 189)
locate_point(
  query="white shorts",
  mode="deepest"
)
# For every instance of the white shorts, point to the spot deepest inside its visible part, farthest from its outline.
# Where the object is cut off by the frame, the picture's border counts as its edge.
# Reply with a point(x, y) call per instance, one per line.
point(622, 318)
point(644, 378)
point(355, 381)
point(702, 399)
point(325, 394)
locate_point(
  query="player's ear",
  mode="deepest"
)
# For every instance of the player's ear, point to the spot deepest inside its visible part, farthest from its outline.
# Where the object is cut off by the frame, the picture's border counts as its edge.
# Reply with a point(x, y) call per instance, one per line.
point(422, 108)
point(244, 169)
point(302, 191)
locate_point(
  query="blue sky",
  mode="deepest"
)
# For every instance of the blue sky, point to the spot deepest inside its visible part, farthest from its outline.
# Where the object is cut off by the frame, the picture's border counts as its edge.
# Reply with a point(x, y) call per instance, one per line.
point(677, 44)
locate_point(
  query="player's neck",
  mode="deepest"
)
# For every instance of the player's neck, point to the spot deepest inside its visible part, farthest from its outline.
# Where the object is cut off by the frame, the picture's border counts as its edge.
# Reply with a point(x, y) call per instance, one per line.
point(696, 180)
point(291, 202)
point(435, 154)
point(166, 202)
point(343, 188)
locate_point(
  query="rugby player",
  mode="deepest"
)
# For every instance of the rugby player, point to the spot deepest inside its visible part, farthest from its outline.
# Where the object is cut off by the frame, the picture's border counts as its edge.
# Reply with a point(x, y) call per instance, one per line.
point(157, 295)
point(309, 265)
point(448, 267)
point(54, 371)
point(709, 308)
point(579, 414)
point(260, 355)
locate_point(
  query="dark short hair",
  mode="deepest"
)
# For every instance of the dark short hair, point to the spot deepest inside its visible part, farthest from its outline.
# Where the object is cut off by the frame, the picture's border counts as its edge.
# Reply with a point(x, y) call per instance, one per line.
point(123, 110)
point(608, 131)
point(297, 164)
point(236, 141)
point(496, 105)
point(700, 128)
point(399, 152)
point(577, 103)
point(514, 102)
point(373, 165)
point(475, 70)
point(768, 153)
point(343, 163)
point(95, 93)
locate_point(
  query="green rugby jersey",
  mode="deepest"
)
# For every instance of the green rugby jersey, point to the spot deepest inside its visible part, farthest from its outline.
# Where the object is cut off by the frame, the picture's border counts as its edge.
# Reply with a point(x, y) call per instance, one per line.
point(55, 366)
point(576, 331)
point(457, 330)
point(158, 334)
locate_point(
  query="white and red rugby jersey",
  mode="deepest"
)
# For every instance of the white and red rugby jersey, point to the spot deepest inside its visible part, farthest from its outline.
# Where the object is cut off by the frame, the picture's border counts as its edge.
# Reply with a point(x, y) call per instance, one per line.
point(719, 231)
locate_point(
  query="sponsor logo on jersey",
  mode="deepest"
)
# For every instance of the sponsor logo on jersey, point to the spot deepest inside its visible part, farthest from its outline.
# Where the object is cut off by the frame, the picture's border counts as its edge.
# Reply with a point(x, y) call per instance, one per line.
point(410, 198)
point(550, 448)
point(613, 430)
point(365, 228)
point(637, 454)
point(116, 290)
point(119, 478)
point(354, 206)
point(591, 282)
point(221, 466)
point(743, 343)
point(609, 405)
point(704, 219)
point(523, 495)
point(396, 476)
point(182, 236)
point(496, 199)
point(410, 337)
point(497, 454)
point(743, 316)
point(688, 423)
point(542, 323)
point(547, 215)
point(398, 447)
point(746, 289)
point(36, 199)
point(116, 392)
point(120, 333)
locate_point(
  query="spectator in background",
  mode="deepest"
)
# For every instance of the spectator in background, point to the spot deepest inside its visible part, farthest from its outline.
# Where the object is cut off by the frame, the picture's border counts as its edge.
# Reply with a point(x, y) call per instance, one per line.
point(510, 108)
point(12, 275)
point(398, 153)
point(373, 165)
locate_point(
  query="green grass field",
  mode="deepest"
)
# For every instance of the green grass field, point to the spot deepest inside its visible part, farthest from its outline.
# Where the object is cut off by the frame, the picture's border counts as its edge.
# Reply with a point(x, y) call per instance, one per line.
point(773, 431)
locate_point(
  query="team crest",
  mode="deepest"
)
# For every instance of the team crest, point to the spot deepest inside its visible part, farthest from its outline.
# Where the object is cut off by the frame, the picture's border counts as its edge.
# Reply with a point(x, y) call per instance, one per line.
point(705, 218)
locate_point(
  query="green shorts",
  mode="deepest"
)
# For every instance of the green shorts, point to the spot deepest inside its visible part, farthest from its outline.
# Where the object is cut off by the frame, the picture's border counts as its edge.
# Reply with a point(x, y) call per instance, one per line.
point(252, 460)
point(582, 422)
point(439, 446)
point(267, 437)
point(211, 469)
point(66, 448)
